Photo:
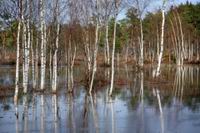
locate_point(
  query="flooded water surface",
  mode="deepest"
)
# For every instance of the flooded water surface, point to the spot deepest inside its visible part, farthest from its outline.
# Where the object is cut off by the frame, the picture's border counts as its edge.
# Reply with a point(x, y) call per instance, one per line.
point(140, 103)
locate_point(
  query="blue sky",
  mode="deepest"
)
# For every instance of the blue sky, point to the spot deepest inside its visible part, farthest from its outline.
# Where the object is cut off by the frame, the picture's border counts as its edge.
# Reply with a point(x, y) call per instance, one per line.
point(156, 4)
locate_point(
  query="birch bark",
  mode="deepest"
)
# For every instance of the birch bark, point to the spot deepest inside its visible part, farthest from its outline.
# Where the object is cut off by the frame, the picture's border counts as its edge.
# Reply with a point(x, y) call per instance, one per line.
point(113, 50)
point(157, 72)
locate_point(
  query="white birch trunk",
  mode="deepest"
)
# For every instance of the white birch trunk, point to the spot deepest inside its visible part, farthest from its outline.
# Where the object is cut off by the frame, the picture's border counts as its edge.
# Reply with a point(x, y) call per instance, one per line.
point(43, 44)
point(72, 68)
point(87, 51)
point(107, 45)
point(17, 63)
point(197, 51)
point(27, 59)
point(55, 61)
point(183, 53)
point(158, 43)
point(113, 53)
point(141, 58)
point(50, 64)
point(33, 62)
point(26, 45)
point(36, 64)
point(95, 57)
point(157, 72)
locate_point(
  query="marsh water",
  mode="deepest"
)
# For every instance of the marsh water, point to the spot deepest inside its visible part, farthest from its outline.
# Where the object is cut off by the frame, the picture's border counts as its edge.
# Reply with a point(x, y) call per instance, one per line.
point(133, 108)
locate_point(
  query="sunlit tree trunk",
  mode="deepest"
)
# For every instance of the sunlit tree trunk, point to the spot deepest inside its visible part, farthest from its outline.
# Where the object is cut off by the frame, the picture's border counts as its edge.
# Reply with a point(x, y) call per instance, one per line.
point(157, 72)
point(26, 38)
point(17, 63)
point(88, 52)
point(33, 62)
point(158, 43)
point(95, 56)
point(94, 69)
point(107, 45)
point(141, 58)
point(55, 61)
point(43, 44)
point(113, 48)
point(36, 64)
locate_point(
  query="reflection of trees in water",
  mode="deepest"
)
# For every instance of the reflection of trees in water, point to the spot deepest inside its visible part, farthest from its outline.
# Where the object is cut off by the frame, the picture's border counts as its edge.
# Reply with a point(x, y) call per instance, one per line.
point(55, 112)
point(179, 83)
point(161, 111)
point(25, 114)
point(185, 88)
point(42, 114)
point(71, 119)
point(93, 107)
point(183, 93)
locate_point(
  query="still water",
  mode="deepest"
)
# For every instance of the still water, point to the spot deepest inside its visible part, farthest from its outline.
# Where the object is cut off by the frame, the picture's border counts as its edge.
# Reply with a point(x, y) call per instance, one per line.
point(140, 104)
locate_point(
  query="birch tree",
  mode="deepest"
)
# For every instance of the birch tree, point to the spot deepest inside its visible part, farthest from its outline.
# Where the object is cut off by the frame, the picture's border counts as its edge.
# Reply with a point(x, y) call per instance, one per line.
point(26, 42)
point(17, 54)
point(140, 6)
point(55, 62)
point(43, 44)
point(94, 67)
point(116, 8)
point(157, 71)
point(107, 11)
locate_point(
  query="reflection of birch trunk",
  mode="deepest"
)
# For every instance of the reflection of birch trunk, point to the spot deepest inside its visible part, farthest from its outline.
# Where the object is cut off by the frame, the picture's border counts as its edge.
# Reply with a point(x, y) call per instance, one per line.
point(71, 114)
point(141, 104)
point(25, 113)
point(94, 114)
point(17, 125)
point(142, 87)
point(34, 111)
point(161, 111)
point(85, 112)
point(42, 115)
point(179, 83)
point(182, 82)
point(55, 112)
point(15, 104)
point(112, 115)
